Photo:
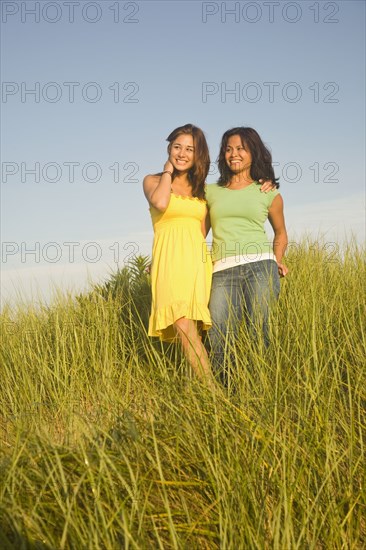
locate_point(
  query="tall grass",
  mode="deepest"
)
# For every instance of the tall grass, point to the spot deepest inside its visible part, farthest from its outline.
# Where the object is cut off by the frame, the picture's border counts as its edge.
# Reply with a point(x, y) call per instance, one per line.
point(108, 443)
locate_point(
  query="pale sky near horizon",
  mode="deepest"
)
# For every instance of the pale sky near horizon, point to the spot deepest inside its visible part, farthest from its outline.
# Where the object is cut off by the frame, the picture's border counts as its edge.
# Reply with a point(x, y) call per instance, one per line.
point(91, 90)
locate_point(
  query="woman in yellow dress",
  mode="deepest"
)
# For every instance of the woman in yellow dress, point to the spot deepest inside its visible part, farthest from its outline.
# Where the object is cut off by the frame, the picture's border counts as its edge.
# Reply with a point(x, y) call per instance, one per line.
point(181, 268)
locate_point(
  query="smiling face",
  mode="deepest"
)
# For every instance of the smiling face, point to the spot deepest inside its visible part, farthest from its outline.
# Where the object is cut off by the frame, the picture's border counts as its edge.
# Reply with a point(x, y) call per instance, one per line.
point(237, 157)
point(181, 152)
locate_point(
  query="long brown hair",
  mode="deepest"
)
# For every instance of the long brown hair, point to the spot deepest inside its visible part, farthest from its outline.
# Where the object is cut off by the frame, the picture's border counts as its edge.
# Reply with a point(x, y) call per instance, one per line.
point(261, 167)
point(198, 173)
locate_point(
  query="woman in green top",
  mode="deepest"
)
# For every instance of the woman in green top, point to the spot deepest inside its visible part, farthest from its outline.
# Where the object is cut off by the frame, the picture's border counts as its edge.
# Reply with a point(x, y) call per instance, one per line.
point(246, 266)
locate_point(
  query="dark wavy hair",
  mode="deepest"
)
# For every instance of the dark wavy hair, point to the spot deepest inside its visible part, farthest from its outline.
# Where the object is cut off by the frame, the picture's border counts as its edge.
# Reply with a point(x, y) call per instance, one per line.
point(261, 167)
point(198, 173)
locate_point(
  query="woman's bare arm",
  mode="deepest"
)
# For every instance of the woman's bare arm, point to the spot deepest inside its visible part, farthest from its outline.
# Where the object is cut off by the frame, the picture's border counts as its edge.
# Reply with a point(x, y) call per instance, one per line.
point(277, 221)
point(157, 189)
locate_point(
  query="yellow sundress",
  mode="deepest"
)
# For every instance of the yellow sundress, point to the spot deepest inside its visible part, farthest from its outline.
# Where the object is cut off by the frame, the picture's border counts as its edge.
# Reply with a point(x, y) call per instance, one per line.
point(181, 267)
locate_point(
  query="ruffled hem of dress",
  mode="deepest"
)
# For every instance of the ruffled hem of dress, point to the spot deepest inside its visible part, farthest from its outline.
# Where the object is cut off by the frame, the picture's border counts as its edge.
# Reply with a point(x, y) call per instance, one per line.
point(185, 197)
point(161, 322)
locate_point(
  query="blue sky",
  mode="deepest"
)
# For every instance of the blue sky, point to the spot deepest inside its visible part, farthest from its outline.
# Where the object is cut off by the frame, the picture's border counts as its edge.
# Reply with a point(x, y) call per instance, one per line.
point(112, 79)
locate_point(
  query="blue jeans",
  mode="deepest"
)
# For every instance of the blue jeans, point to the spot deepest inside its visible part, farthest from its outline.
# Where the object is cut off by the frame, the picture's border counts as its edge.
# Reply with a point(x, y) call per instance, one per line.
point(244, 292)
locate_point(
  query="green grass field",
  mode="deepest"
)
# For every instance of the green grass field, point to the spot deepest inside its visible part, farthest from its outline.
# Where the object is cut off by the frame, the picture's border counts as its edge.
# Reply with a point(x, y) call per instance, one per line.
point(107, 442)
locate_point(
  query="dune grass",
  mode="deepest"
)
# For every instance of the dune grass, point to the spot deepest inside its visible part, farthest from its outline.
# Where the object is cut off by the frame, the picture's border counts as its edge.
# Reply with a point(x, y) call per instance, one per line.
point(107, 442)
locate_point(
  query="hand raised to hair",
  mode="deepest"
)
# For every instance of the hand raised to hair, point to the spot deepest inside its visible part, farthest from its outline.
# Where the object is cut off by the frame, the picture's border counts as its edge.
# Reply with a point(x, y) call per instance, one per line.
point(168, 166)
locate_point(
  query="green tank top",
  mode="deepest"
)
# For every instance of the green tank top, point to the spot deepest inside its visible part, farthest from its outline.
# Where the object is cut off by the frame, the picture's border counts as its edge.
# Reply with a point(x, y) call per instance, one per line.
point(237, 220)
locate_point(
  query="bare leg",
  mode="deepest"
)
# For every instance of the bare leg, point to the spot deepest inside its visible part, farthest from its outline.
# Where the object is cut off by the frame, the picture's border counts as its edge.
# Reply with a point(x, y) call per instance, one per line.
point(194, 350)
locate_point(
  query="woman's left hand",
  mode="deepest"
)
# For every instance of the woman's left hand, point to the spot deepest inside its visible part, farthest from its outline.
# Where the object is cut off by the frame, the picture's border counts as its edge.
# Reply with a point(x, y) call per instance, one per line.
point(267, 186)
point(282, 270)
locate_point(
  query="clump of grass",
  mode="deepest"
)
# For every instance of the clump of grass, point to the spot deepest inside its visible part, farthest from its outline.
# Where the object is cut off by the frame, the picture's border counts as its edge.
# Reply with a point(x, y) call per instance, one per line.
point(106, 442)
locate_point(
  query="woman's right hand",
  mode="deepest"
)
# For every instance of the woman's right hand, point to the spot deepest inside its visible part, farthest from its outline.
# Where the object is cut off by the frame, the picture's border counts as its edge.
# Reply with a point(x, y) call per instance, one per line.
point(282, 270)
point(267, 185)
